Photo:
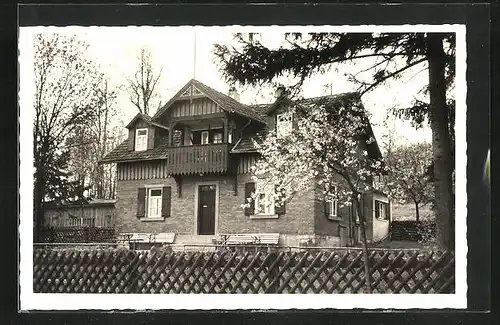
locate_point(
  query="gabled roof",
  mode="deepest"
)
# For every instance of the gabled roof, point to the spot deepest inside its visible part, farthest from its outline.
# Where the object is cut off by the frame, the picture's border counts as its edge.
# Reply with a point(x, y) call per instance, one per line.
point(139, 116)
point(271, 108)
point(261, 109)
point(226, 102)
point(122, 154)
point(246, 143)
point(145, 118)
point(331, 101)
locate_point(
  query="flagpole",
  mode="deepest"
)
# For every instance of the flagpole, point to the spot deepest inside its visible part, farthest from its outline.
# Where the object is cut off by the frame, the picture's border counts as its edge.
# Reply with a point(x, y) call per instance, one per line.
point(194, 55)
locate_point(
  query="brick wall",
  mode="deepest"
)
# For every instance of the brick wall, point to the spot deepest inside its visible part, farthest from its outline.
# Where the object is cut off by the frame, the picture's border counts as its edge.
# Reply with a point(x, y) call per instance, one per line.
point(299, 217)
point(323, 225)
point(182, 213)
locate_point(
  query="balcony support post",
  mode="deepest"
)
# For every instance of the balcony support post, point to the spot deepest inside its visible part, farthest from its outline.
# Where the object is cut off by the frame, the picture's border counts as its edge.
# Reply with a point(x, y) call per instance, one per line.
point(226, 130)
point(171, 130)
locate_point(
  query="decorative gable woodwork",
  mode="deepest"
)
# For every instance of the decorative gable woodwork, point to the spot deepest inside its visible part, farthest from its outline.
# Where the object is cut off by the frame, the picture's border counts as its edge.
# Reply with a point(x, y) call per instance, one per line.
point(191, 91)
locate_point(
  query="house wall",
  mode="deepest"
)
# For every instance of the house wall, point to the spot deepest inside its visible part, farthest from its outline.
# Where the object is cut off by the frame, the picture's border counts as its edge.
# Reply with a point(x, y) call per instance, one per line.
point(381, 227)
point(368, 212)
point(297, 220)
point(101, 215)
point(197, 106)
point(156, 169)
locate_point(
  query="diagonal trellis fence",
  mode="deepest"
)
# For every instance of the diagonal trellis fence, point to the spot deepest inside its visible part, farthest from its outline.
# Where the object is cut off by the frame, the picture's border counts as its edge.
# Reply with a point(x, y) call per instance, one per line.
point(260, 271)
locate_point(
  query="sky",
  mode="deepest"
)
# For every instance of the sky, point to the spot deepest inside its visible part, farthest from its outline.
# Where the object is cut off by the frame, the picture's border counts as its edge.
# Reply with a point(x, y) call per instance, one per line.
point(174, 51)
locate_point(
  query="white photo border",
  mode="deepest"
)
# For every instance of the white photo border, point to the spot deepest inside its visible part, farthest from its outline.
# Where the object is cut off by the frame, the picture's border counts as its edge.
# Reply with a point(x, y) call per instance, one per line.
point(38, 301)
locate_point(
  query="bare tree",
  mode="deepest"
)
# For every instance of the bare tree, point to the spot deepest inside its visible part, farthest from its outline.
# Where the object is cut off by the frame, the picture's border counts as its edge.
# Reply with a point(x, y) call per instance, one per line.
point(142, 85)
point(91, 142)
point(64, 80)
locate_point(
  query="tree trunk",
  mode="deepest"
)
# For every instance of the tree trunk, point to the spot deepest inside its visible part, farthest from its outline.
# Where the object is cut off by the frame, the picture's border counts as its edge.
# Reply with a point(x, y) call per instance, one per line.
point(443, 163)
point(417, 212)
point(38, 209)
point(365, 245)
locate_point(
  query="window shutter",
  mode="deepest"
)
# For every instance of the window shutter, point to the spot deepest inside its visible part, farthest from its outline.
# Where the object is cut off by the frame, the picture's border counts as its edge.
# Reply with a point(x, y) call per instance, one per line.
point(327, 207)
point(151, 138)
point(131, 139)
point(166, 201)
point(279, 209)
point(249, 189)
point(141, 202)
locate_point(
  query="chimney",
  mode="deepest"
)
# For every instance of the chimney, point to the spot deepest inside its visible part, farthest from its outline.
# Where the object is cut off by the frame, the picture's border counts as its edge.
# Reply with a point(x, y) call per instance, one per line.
point(233, 93)
point(280, 91)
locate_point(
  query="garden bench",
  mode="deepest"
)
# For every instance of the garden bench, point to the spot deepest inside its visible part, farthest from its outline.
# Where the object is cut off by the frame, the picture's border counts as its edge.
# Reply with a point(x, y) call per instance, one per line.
point(250, 239)
point(163, 237)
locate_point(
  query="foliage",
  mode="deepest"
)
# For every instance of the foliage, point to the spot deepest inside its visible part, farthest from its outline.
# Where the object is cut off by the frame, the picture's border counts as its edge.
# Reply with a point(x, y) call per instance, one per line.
point(407, 179)
point(327, 146)
point(142, 85)
point(389, 56)
point(64, 100)
point(306, 54)
point(427, 234)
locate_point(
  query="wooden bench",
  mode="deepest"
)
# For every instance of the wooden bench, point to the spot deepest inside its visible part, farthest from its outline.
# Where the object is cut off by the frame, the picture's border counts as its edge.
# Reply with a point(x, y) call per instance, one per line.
point(164, 238)
point(150, 238)
point(250, 239)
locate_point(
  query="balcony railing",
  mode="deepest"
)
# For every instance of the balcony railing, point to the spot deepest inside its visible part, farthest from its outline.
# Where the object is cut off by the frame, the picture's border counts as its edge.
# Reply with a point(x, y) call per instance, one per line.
point(211, 158)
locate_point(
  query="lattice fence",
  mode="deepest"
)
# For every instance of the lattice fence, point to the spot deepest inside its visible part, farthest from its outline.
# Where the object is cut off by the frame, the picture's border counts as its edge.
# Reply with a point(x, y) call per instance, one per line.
point(333, 271)
point(77, 235)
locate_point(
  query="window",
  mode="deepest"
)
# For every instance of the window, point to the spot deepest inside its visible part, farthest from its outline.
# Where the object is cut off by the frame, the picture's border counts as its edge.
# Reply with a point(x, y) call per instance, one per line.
point(204, 137)
point(264, 202)
point(217, 137)
point(283, 124)
point(331, 204)
point(230, 136)
point(154, 202)
point(141, 139)
point(381, 210)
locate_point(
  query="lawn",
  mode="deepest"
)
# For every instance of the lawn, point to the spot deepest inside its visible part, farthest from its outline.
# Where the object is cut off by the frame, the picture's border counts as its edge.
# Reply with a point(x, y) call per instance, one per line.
point(407, 212)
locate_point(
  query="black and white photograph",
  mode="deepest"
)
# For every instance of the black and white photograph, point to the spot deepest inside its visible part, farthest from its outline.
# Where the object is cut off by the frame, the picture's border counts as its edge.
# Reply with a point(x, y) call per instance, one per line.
point(327, 162)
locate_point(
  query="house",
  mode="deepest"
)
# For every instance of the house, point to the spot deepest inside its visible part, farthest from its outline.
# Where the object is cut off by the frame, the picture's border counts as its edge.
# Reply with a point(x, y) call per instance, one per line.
point(96, 213)
point(186, 171)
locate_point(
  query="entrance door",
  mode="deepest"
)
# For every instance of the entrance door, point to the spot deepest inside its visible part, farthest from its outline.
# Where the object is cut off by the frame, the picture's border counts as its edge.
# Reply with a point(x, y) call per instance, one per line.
point(206, 210)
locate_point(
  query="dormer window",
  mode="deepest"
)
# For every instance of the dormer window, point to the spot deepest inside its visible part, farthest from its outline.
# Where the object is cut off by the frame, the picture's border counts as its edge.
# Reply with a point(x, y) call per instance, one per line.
point(141, 139)
point(283, 124)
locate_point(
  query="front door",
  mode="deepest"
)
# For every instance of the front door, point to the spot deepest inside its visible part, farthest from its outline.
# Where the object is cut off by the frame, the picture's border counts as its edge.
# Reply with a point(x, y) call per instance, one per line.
point(206, 210)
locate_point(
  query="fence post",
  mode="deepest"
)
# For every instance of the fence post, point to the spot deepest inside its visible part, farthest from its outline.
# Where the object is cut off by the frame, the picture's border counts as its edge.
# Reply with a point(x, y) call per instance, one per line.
point(274, 273)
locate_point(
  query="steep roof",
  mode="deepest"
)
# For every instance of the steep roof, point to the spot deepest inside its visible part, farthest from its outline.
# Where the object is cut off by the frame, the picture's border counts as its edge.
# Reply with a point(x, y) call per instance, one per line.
point(246, 143)
point(226, 102)
point(122, 154)
point(145, 118)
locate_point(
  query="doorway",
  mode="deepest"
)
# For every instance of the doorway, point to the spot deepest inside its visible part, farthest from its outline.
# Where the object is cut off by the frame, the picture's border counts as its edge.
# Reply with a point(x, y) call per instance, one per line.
point(206, 209)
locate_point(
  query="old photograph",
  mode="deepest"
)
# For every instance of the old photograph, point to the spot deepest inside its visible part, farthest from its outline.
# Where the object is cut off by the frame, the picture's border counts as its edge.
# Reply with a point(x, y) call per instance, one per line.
point(244, 160)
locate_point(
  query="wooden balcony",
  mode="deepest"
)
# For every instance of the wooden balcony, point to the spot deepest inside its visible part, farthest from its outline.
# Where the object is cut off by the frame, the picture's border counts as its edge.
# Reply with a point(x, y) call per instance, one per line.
point(196, 159)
